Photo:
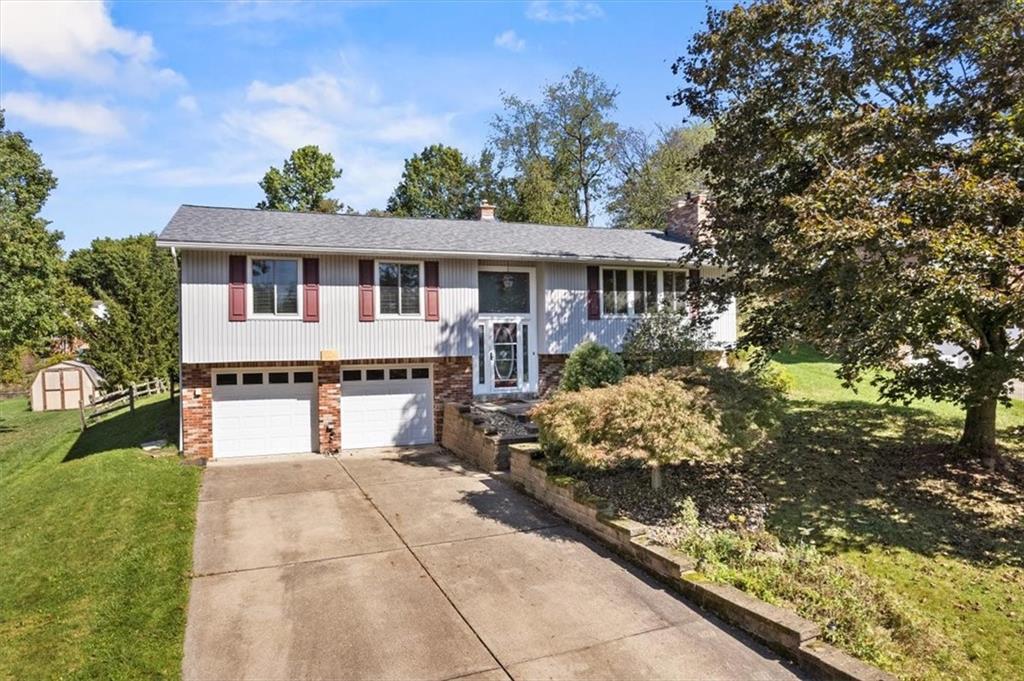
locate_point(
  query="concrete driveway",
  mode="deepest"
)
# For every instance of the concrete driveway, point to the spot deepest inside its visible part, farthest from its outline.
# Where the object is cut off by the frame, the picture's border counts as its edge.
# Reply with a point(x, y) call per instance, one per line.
point(402, 564)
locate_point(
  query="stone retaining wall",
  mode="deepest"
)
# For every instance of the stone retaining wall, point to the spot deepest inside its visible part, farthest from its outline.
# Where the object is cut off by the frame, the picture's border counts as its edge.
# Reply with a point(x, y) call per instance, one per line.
point(781, 629)
point(469, 439)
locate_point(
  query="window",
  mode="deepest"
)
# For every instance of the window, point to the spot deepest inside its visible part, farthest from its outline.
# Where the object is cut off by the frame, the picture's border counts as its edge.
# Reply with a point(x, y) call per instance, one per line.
point(227, 379)
point(275, 286)
point(526, 353)
point(421, 372)
point(399, 286)
point(614, 292)
point(277, 377)
point(252, 379)
point(352, 375)
point(504, 292)
point(398, 374)
point(374, 374)
point(302, 377)
point(645, 291)
point(675, 290)
point(480, 354)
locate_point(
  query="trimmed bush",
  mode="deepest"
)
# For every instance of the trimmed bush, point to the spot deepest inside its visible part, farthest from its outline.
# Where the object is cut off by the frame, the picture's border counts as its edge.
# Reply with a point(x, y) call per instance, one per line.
point(663, 340)
point(591, 366)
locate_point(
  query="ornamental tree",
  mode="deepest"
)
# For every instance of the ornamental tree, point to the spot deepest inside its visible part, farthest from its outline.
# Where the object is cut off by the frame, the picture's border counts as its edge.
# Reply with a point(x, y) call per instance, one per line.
point(867, 171)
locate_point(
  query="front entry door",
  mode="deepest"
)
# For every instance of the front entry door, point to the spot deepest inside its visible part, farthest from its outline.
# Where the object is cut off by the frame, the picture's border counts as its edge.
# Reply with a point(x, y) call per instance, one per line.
point(509, 359)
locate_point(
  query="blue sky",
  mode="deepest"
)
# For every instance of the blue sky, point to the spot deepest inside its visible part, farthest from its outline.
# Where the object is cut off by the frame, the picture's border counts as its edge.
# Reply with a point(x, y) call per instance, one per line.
point(139, 107)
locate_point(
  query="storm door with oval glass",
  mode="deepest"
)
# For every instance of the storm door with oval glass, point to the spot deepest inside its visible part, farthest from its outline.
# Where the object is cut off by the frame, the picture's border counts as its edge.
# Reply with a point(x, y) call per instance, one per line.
point(506, 357)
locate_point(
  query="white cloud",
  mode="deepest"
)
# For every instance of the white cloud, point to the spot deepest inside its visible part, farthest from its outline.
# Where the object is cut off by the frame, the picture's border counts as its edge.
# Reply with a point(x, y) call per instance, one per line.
point(188, 103)
point(327, 110)
point(510, 41)
point(84, 117)
point(79, 41)
point(567, 12)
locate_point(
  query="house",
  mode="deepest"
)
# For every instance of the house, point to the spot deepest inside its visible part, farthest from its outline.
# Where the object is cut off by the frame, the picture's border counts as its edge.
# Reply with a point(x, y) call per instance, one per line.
point(313, 332)
point(64, 385)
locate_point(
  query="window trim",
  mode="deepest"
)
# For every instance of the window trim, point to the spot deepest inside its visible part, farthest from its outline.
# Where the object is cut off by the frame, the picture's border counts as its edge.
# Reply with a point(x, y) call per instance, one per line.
point(631, 292)
point(378, 299)
point(250, 299)
point(531, 271)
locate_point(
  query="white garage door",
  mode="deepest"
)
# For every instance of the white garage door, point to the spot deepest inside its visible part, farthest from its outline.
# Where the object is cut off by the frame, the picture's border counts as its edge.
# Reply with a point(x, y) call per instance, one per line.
point(383, 406)
point(263, 411)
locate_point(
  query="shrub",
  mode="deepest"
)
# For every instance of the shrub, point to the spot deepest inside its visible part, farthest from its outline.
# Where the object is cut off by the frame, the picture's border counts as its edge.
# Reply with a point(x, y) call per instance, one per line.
point(591, 366)
point(856, 612)
point(663, 340)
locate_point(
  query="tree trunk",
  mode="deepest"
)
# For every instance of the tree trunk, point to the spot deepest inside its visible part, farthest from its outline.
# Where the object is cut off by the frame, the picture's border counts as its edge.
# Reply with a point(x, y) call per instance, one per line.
point(655, 475)
point(979, 437)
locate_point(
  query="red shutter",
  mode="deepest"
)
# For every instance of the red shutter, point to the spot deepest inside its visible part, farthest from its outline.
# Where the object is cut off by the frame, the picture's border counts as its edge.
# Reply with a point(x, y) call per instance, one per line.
point(593, 292)
point(310, 289)
point(236, 288)
point(366, 290)
point(430, 274)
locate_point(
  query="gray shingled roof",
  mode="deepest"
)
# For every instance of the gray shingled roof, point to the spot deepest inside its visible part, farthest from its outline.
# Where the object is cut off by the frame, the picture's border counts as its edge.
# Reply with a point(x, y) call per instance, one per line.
point(210, 227)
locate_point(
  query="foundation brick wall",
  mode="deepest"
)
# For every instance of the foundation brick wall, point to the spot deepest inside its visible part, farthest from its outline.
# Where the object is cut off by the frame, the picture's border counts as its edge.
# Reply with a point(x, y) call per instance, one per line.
point(551, 367)
point(453, 382)
point(328, 407)
point(196, 411)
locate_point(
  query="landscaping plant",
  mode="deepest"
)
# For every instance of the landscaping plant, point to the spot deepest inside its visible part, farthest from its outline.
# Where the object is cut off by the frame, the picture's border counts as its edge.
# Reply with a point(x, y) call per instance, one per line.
point(662, 340)
point(591, 366)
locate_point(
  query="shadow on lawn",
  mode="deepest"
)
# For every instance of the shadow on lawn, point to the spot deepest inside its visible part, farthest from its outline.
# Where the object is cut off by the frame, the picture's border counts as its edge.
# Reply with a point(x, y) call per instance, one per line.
point(126, 430)
point(850, 475)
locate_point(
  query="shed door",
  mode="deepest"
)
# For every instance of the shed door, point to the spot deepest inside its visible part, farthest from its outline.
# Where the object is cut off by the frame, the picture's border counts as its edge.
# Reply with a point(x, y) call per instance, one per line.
point(258, 412)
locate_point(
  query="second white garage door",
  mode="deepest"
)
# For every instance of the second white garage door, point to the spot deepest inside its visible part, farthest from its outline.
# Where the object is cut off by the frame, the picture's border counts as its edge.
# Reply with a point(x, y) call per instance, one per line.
point(385, 406)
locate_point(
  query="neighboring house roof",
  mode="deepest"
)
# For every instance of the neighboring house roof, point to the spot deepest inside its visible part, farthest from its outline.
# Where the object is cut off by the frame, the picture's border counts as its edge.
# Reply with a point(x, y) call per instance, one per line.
point(205, 227)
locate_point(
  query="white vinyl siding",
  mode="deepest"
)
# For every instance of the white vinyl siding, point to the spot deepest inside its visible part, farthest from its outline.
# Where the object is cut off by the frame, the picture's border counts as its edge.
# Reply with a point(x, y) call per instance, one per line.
point(208, 336)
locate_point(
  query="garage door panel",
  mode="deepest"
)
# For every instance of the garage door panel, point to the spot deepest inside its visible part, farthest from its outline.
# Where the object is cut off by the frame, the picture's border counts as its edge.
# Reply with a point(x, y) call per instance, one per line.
point(260, 419)
point(388, 412)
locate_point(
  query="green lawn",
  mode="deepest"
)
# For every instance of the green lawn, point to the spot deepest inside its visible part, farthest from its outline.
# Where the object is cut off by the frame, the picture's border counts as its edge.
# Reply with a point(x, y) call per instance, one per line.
point(97, 545)
point(877, 484)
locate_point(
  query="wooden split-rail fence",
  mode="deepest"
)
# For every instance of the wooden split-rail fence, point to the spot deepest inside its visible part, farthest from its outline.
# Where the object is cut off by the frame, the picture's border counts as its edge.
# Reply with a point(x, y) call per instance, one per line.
point(119, 399)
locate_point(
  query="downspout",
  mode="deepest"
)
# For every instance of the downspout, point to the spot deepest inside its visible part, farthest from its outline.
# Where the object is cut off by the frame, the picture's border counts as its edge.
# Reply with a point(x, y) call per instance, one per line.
point(181, 401)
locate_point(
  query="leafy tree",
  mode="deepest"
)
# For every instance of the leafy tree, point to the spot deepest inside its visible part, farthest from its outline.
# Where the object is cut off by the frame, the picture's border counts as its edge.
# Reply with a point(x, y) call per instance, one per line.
point(535, 196)
point(570, 129)
point(32, 278)
point(303, 183)
point(591, 366)
point(651, 176)
point(869, 188)
point(137, 339)
point(438, 182)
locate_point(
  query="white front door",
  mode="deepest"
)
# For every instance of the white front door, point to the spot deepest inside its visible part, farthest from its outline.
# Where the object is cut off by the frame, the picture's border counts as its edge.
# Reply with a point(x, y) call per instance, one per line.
point(505, 360)
point(263, 411)
point(384, 406)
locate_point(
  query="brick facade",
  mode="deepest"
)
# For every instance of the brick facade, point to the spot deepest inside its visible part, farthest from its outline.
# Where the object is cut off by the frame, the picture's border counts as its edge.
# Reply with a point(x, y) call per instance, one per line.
point(551, 367)
point(452, 383)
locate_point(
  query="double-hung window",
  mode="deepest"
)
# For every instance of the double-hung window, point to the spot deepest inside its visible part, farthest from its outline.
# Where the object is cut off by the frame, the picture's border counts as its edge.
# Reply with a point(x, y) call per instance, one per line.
point(615, 292)
point(399, 287)
point(275, 286)
point(645, 291)
point(675, 289)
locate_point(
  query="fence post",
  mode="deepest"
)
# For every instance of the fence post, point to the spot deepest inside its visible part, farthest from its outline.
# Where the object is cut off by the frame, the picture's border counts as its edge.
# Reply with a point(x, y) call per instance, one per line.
point(81, 413)
point(131, 398)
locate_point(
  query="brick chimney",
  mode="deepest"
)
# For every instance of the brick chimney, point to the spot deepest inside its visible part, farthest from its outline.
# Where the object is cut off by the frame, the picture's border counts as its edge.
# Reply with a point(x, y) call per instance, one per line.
point(485, 212)
point(687, 216)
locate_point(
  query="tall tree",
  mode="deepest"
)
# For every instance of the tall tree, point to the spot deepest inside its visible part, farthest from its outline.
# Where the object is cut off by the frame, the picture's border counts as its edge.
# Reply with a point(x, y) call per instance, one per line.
point(571, 130)
point(652, 174)
point(303, 183)
point(869, 186)
point(438, 182)
point(535, 196)
point(137, 338)
point(31, 270)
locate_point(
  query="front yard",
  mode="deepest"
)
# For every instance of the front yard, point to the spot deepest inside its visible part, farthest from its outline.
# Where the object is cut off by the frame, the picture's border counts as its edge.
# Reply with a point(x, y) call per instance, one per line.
point(97, 545)
point(906, 556)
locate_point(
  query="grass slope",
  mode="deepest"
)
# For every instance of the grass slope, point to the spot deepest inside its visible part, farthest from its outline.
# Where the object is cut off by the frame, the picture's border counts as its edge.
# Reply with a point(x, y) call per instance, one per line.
point(876, 484)
point(97, 544)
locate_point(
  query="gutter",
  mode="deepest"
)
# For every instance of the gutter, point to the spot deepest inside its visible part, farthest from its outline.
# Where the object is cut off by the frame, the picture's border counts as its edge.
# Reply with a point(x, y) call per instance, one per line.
point(482, 255)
